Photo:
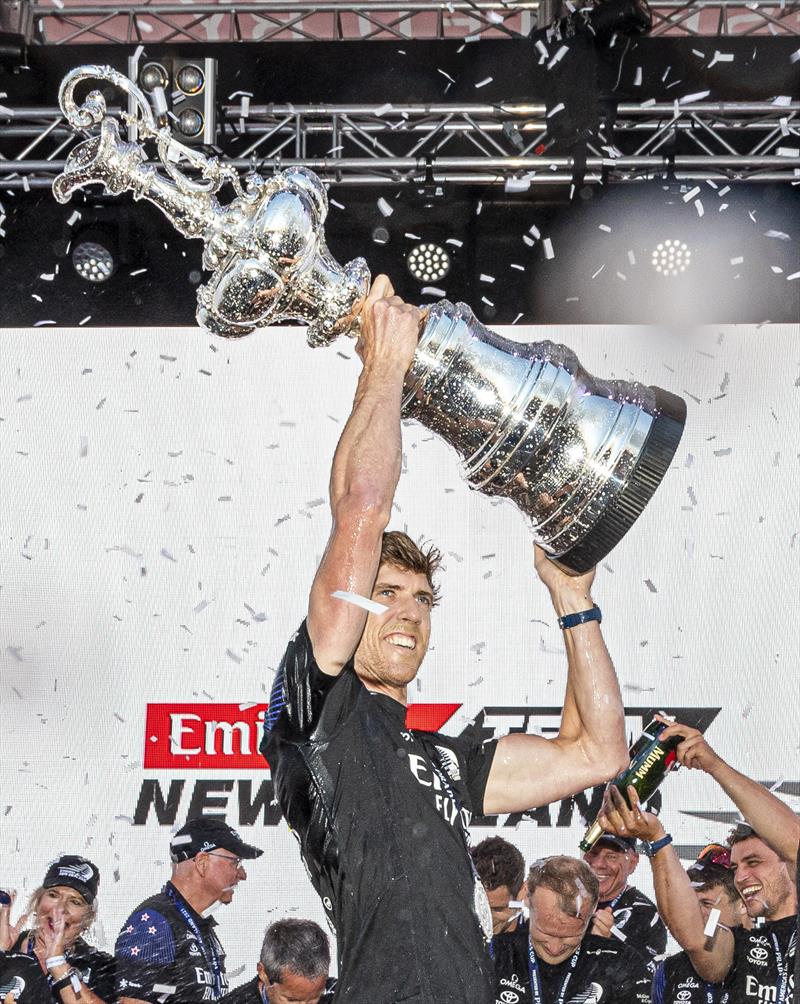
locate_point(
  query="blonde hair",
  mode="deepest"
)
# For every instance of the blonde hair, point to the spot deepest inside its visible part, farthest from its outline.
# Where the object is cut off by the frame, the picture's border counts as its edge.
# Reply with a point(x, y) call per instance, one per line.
point(33, 906)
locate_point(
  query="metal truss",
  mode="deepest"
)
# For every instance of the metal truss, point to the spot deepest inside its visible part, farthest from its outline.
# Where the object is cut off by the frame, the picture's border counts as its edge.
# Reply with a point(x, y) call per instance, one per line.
point(506, 145)
point(61, 22)
point(286, 20)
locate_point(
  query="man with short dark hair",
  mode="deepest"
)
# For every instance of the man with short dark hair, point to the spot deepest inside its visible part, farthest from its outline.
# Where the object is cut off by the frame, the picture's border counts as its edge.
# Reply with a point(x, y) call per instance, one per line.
point(167, 951)
point(676, 981)
point(623, 911)
point(501, 869)
point(752, 964)
point(382, 811)
point(293, 968)
point(555, 958)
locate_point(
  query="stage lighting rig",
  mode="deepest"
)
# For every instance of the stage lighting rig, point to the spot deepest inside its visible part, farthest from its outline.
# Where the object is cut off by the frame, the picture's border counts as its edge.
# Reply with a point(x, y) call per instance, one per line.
point(182, 92)
point(16, 32)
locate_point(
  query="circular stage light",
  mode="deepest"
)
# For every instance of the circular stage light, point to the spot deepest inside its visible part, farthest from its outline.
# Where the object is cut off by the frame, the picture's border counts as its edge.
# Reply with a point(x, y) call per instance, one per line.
point(671, 257)
point(190, 122)
point(92, 261)
point(190, 79)
point(152, 75)
point(428, 262)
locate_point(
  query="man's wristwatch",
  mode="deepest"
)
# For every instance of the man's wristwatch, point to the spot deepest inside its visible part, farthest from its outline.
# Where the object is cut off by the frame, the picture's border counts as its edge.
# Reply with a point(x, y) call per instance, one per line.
point(651, 849)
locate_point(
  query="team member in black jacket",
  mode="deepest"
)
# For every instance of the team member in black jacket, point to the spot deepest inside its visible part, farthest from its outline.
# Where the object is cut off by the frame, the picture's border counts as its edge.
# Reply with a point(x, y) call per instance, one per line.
point(675, 981)
point(293, 968)
point(755, 965)
point(623, 909)
point(59, 911)
point(556, 960)
point(167, 951)
point(501, 869)
point(382, 811)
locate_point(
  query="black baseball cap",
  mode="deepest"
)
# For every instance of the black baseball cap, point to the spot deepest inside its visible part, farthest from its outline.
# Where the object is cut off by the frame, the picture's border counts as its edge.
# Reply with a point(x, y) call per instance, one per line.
point(616, 842)
point(204, 833)
point(76, 872)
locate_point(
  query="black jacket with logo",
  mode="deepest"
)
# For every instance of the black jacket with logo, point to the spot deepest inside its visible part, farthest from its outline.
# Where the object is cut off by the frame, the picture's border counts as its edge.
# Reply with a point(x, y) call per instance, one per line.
point(159, 958)
point(607, 971)
point(381, 833)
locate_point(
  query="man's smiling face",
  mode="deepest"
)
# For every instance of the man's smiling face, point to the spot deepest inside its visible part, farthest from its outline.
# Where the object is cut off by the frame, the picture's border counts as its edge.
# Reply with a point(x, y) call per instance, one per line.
point(394, 643)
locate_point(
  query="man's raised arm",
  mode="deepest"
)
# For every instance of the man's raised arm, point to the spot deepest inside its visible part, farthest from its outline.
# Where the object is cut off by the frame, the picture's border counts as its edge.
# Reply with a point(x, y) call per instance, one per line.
point(366, 468)
point(590, 747)
point(712, 957)
point(769, 816)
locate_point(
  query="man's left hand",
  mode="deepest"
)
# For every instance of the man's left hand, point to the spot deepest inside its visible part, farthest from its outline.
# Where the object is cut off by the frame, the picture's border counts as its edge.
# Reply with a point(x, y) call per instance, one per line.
point(602, 922)
point(570, 593)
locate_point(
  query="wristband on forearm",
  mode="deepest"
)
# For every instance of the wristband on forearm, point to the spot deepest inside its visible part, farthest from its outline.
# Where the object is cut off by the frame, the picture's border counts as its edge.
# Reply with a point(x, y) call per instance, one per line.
point(71, 979)
point(573, 620)
point(55, 960)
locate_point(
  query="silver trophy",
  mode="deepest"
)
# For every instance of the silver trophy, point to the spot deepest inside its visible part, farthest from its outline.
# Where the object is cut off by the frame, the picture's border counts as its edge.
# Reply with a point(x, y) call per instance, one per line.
point(578, 455)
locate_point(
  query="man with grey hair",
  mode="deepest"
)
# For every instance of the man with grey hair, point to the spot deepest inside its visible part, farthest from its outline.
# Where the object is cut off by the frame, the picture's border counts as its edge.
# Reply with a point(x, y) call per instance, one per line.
point(555, 957)
point(293, 968)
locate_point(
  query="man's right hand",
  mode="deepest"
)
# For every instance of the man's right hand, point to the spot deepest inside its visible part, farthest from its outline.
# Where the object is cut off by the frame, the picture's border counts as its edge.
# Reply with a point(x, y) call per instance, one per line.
point(389, 329)
point(693, 751)
point(616, 816)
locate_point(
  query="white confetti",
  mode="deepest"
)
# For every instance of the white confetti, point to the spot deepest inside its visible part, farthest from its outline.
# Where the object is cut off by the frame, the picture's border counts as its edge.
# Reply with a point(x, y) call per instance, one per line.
point(794, 275)
point(691, 194)
point(699, 207)
point(484, 82)
point(711, 923)
point(517, 184)
point(637, 80)
point(384, 208)
point(372, 606)
point(432, 291)
point(690, 98)
point(558, 57)
point(384, 109)
point(605, 228)
point(547, 244)
point(486, 278)
point(737, 261)
point(554, 111)
point(720, 57)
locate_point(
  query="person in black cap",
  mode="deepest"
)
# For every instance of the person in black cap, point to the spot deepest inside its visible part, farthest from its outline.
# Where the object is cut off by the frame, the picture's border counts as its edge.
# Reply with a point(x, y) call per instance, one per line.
point(167, 951)
point(51, 930)
point(623, 911)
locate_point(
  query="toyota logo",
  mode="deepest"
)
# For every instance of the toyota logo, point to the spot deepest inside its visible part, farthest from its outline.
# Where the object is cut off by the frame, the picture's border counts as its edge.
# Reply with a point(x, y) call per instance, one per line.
point(758, 953)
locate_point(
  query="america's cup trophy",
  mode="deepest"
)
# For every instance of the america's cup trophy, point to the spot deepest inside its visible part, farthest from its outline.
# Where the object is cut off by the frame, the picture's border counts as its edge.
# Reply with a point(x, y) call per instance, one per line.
point(578, 455)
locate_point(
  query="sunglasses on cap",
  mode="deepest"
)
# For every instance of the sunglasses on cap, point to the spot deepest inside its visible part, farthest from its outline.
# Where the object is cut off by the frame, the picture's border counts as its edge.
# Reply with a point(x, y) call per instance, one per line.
point(716, 854)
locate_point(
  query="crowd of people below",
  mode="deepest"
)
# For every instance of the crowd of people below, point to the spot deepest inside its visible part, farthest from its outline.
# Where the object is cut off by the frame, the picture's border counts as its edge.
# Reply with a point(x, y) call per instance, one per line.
point(565, 931)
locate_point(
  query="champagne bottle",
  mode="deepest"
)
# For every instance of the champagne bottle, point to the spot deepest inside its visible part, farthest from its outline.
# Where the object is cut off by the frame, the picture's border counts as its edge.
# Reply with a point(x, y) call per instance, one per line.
point(651, 761)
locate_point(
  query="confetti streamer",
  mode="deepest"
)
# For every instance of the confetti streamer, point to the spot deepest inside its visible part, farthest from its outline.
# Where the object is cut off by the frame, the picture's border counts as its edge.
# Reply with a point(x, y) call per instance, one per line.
point(372, 606)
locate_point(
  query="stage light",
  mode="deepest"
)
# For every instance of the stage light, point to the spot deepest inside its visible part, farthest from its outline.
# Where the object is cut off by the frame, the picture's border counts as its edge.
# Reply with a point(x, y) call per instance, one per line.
point(93, 262)
point(183, 93)
point(428, 262)
point(153, 75)
point(671, 257)
point(190, 122)
point(190, 79)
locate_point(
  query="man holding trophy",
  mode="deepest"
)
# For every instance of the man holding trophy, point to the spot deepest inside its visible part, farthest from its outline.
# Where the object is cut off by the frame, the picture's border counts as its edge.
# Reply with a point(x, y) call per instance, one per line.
point(382, 812)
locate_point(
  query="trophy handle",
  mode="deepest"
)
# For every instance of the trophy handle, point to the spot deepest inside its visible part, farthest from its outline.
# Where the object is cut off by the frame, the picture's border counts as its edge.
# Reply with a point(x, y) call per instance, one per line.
point(93, 110)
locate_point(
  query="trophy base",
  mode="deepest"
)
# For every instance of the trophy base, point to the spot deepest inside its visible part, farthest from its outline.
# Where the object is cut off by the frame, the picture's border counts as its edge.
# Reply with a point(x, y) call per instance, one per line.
point(653, 462)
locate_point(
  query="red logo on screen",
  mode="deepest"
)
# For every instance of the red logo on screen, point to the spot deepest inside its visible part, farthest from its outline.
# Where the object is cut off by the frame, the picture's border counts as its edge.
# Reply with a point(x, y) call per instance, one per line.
point(227, 736)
